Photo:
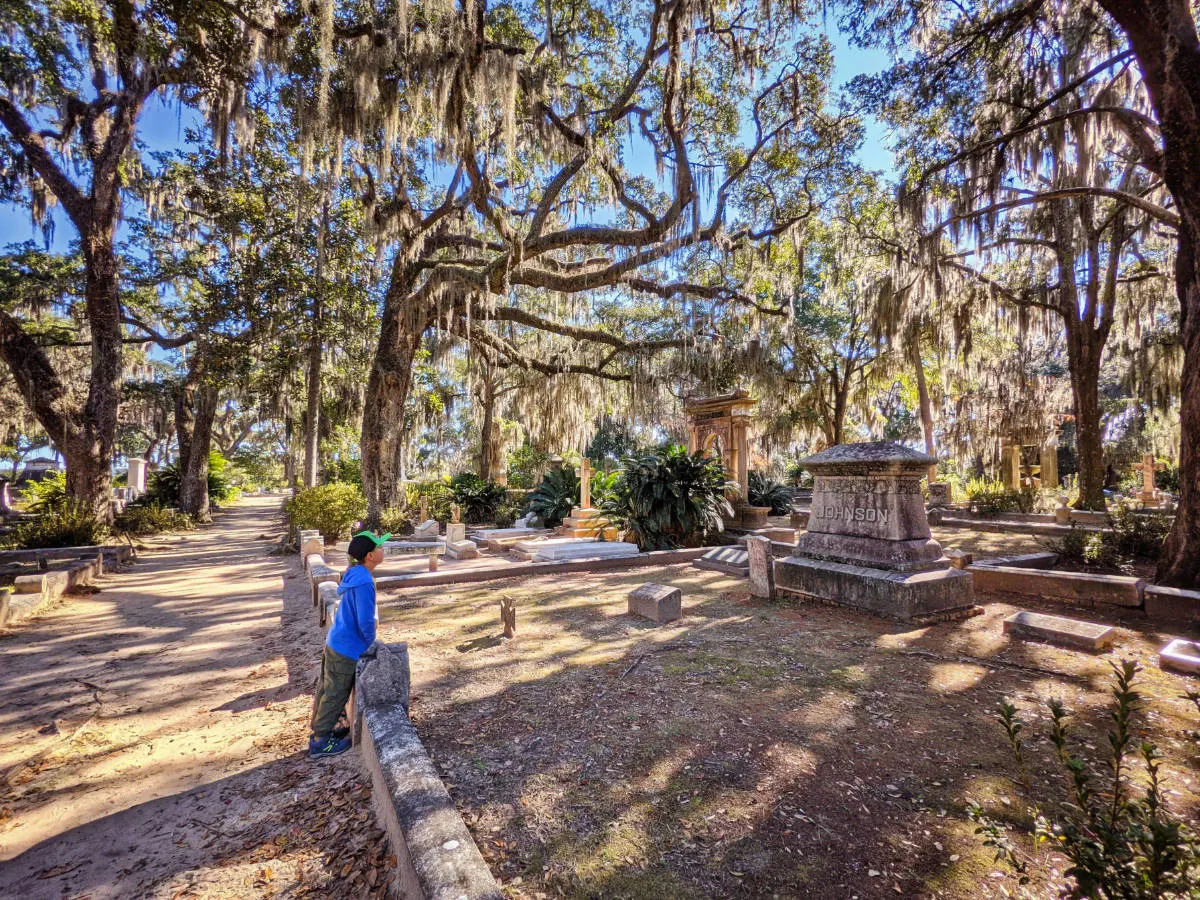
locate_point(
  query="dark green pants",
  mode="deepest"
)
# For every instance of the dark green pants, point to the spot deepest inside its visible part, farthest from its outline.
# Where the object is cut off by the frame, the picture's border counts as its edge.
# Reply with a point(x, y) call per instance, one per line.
point(333, 690)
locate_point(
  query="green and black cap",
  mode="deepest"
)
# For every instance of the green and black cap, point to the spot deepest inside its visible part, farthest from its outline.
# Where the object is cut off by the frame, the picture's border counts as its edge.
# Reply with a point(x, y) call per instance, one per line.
point(363, 543)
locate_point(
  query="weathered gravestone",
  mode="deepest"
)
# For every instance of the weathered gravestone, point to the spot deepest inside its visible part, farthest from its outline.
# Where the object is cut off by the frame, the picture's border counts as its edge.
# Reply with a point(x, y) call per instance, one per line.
point(762, 571)
point(1059, 630)
point(657, 602)
point(868, 542)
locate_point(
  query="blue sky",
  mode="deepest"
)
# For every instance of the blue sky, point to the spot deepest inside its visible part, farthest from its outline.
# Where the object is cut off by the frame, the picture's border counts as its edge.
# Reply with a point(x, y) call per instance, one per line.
point(162, 126)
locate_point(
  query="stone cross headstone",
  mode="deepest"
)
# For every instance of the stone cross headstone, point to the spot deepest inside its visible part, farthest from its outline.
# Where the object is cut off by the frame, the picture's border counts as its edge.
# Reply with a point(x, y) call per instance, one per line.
point(424, 516)
point(868, 542)
point(5, 497)
point(455, 514)
point(585, 485)
point(1149, 492)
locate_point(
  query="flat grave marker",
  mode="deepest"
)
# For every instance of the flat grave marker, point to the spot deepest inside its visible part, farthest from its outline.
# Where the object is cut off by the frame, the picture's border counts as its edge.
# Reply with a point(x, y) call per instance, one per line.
point(1059, 630)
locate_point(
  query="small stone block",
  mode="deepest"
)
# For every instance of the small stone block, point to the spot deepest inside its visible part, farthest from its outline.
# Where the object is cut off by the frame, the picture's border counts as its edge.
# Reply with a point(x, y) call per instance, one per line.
point(1059, 630)
point(455, 532)
point(657, 602)
point(312, 560)
point(1181, 656)
point(959, 559)
point(762, 574)
point(462, 550)
point(328, 603)
point(427, 529)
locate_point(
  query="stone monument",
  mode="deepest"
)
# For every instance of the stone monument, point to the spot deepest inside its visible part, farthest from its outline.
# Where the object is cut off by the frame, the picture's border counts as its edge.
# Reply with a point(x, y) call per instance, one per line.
point(585, 521)
point(721, 426)
point(868, 542)
point(136, 479)
point(5, 498)
point(1149, 494)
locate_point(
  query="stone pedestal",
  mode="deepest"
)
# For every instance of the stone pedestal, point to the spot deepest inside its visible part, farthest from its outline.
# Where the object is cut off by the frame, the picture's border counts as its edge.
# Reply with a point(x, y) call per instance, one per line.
point(136, 478)
point(762, 567)
point(1010, 467)
point(456, 531)
point(1149, 494)
point(868, 542)
point(940, 493)
point(583, 522)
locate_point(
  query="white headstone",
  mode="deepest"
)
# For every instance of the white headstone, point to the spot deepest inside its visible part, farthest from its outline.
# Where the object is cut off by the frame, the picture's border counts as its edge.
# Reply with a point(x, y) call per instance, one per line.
point(137, 474)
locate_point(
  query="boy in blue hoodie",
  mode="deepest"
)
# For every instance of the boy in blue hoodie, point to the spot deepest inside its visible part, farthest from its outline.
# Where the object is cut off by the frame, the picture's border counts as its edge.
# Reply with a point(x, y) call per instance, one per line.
point(352, 632)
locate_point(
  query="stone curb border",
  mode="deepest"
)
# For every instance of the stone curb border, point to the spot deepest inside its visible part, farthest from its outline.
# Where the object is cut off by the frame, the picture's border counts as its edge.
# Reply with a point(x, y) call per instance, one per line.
point(30, 593)
point(437, 857)
point(530, 570)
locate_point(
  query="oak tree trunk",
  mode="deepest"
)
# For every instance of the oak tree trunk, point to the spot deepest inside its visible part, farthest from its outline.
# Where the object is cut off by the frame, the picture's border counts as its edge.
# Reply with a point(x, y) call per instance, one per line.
point(1083, 357)
point(405, 320)
point(193, 482)
point(925, 405)
point(312, 434)
point(489, 437)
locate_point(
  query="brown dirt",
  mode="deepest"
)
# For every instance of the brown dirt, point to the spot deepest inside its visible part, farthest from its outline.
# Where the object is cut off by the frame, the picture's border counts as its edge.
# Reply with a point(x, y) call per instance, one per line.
point(749, 749)
point(153, 735)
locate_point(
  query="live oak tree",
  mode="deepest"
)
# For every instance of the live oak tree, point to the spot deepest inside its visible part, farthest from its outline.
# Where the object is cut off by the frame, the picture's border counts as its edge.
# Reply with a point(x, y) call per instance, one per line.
point(1051, 92)
point(75, 75)
point(495, 159)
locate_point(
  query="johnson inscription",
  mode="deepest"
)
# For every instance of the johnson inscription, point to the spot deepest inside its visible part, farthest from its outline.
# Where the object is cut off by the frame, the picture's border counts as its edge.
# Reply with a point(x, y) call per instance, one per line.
point(851, 514)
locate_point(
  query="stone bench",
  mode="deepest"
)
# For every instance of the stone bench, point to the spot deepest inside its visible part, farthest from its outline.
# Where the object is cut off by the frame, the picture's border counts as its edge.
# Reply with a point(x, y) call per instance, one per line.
point(1077, 587)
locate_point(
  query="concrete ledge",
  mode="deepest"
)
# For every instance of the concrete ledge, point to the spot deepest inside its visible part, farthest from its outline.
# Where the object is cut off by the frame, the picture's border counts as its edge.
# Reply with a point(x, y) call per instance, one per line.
point(533, 569)
point(15, 608)
point(437, 856)
point(1077, 587)
point(1168, 604)
point(328, 602)
point(320, 574)
point(121, 552)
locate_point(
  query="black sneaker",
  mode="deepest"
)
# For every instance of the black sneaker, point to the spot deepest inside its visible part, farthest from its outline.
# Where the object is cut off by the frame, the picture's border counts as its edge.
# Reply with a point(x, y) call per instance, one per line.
point(340, 733)
point(330, 745)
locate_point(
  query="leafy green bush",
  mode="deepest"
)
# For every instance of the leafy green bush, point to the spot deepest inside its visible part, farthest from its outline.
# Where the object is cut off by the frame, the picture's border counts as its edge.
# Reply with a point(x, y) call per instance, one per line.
point(990, 498)
point(1166, 478)
point(438, 494)
point(523, 464)
point(1081, 547)
point(766, 491)
point(1138, 535)
point(796, 475)
point(139, 519)
point(396, 520)
point(553, 498)
point(477, 498)
point(1121, 840)
point(163, 487)
point(506, 513)
point(48, 494)
point(668, 498)
point(330, 508)
point(65, 525)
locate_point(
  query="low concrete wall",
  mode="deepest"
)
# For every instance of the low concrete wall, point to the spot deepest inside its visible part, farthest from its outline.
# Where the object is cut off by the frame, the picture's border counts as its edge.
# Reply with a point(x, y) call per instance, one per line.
point(1077, 587)
point(531, 570)
point(437, 856)
point(1175, 605)
point(1025, 561)
point(120, 552)
point(30, 593)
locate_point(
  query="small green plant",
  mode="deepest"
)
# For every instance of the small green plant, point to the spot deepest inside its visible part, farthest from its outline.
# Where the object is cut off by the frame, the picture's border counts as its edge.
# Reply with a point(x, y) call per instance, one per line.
point(164, 485)
point(764, 491)
point(1122, 841)
point(523, 465)
point(437, 494)
point(991, 498)
point(669, 499)
point(477, 498)
point(1138, 535)
point(395, 520)
point(330, 508)
point(141, 519)
point(1166, 478)
point(796, 475)
point(48, 494)
point(506, 513)
point(67, 524)
point(553, 498)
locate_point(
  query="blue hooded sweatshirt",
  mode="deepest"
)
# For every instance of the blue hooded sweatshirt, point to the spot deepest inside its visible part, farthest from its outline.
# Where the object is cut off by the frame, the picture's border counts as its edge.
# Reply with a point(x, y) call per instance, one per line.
point(353, 627)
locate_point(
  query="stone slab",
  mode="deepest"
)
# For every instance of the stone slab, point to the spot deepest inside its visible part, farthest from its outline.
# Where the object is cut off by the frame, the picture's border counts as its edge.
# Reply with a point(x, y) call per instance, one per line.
point(1181, 656)
point(1059, 630)
point(49, 584)
point(314, 559)
point(730, 560)
point(778, 534)
point(1076, 587)
point(502, 534)
point(1170, 604)
point(462, 550)
point(657, 602)
point(16, 608)
point(427, 529)
point(1024, 561)
point(455, 532)
point(910, 597)
point(761, 565)
point(583, 548)
point(414, 548)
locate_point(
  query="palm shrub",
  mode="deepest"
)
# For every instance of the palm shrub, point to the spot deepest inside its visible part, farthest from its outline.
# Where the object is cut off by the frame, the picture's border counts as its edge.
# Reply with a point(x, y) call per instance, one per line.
point(330, 508)
point(141, 519)
point(765, 491)
point(164, 485)
point(1121, 841)
point(668, 498)
point(479, 499)
point(552, 500)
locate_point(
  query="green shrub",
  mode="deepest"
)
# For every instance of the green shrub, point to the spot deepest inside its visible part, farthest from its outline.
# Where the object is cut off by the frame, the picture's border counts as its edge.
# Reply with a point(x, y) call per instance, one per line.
point(48, 494)
point(764, 491)
point(164, 484)
point(669, 499)
point(438, 494)
point(506, 514)
point(990, 498)
point(396, 520)
point(523, 464)
point(330, 508)
point(1166, 478)
point(796, 475)
point(65, 525)
point(552, 500)
point(139, 519)
point(1138, 535)
point(1119, 836)
point(477, 498)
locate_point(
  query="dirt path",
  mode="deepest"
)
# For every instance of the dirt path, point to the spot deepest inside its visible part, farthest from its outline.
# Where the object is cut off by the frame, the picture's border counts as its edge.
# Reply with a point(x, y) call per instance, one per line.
point(152, 735)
